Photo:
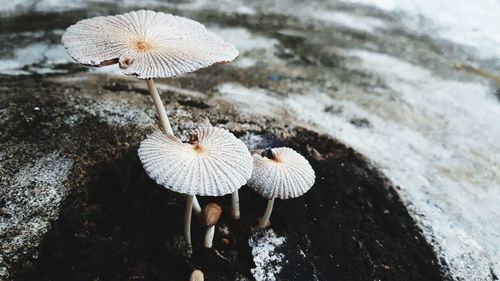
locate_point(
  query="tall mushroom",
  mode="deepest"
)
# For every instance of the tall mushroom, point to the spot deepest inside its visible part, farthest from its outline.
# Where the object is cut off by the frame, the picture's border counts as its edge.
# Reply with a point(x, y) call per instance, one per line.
point(280, 173)
point(213, 163)
point(148, 45)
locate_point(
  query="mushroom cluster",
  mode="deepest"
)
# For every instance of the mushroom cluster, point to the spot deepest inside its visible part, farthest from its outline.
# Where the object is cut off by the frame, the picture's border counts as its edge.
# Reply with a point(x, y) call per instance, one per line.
point(213, 163)
point(149, 45)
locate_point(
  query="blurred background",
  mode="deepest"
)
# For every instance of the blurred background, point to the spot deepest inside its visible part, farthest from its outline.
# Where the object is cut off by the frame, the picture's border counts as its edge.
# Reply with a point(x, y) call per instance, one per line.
point(412, 85)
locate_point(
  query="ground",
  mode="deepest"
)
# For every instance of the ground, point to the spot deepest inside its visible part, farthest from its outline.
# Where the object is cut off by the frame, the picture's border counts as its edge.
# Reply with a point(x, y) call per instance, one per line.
point(409, 109)
point(106, 220)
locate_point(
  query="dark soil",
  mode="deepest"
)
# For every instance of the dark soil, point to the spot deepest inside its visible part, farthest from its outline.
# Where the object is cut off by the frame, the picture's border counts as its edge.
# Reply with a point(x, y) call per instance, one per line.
point(122, 226)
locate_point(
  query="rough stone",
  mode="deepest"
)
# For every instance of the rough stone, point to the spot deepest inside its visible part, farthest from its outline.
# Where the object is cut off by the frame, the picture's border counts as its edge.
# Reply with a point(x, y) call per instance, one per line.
point(78, 205)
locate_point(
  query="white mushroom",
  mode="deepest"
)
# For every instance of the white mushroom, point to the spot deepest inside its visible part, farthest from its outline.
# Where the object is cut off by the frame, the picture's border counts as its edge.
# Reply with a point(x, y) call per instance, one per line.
point(280, 173)
point(148, 45)
point(197, 275)
point(213, 163)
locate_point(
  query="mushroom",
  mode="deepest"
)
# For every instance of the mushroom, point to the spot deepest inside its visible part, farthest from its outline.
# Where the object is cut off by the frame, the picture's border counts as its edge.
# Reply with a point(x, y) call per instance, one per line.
point(197, 275)
point(213, 163)
point(280, 173)
point(211, 215)
point(148, 45)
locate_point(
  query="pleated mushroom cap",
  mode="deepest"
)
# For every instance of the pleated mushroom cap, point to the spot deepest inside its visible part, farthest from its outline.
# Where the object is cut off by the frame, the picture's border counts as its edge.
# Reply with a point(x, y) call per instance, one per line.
point(214, 163)
point(197, 275)
point(285, 174)
point(147, 44)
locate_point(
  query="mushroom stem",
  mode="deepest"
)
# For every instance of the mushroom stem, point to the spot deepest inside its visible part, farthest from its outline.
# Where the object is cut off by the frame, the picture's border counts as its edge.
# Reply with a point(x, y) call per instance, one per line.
point(196, 207)
point(209, 236)
point(235, 205)
point(269, 209)
point(187, 218)
point(165, 124)
point(160, 109)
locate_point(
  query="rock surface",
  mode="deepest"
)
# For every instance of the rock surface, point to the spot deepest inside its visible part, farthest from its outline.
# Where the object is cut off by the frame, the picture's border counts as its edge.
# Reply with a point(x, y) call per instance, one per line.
point(421, 108)
point(77, 204)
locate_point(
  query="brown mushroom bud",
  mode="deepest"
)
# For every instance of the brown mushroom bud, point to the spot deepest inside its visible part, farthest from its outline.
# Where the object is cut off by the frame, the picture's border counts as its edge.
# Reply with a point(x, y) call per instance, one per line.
point(197, 275)
point(211, 214)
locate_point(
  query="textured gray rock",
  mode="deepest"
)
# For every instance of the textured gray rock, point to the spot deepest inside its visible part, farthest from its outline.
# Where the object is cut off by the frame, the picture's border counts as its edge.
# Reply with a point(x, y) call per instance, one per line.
point(32, 197)
point(421, 109)
point(77, 203)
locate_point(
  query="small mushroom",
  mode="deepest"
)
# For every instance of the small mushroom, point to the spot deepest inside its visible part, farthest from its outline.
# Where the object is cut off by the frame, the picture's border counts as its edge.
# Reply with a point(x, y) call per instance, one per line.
point(197, 275)
point(148, 45)
point(213, 163)
point(211, 215)
point(280, 173)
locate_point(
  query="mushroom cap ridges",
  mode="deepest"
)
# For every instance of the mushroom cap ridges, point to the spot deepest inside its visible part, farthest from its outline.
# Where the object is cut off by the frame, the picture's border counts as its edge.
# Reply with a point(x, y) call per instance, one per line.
point(147, 44)
point(215, 164)
point(286, 175)
point(197, 275)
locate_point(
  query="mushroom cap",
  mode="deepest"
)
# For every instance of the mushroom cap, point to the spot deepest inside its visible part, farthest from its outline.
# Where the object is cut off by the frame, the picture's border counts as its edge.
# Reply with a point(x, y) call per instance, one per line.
point(197, 275)
point(285, 174)
point(147, 44)
point(214, 163)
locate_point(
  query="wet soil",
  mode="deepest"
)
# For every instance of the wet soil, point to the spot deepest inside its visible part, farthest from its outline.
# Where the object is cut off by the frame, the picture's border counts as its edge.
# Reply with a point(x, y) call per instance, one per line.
point(122, 226)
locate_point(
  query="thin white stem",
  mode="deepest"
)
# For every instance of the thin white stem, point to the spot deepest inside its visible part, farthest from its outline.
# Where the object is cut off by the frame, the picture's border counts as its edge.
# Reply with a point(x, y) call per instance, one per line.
point(187, 218)
point(165, 124)
point(160, 109)
point(269, 209)
point(235, 205)
point(196, 207)
point(209, 236)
